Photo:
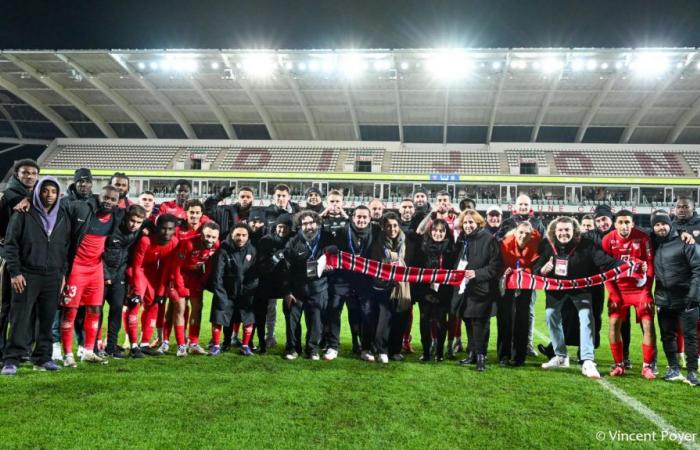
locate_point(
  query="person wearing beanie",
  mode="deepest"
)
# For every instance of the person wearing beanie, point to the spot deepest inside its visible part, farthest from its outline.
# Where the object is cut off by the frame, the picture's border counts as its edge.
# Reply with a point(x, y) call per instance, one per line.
point(421, 202)
point(313, 200)
point(269, 267)
point(677, 275)
point(81, 188)
point(494, 219)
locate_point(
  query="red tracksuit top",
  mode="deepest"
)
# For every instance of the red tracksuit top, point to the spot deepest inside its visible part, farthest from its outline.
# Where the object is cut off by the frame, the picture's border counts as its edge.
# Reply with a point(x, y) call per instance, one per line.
point(152, 258)
point(191, 261)
point(173, 208)
point(636, 247)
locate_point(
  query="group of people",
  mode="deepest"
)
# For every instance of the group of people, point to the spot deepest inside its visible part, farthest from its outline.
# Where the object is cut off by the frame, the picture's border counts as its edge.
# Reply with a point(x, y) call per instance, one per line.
point(66, 255)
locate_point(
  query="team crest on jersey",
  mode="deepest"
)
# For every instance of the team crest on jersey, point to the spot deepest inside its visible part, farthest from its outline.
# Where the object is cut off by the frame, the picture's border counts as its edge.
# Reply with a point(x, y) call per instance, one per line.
point(248, 257)
point(635, 245)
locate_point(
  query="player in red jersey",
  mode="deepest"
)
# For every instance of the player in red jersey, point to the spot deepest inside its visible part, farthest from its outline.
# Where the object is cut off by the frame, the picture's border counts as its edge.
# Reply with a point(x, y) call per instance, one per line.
point(176, 207)
point(148, 281)
point(190, 229)
point(85, 285)
point(630, 244)
point(190, 272)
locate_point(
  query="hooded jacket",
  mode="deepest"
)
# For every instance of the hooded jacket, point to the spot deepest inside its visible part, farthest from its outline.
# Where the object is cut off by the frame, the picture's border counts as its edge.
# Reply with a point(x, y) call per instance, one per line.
point(14, 193)
point(676, 271)
point(235, 273)
point(270, 264)
point(117, 249)
point(513, 221)
point(691, 225)
point(28, 247)
point(74, 196)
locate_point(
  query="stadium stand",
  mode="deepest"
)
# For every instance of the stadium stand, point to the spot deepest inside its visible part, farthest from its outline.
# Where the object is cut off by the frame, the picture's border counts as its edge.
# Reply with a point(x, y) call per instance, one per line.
point(621, 163)
point(111, 156)
point(453, 161)
point(280, 160)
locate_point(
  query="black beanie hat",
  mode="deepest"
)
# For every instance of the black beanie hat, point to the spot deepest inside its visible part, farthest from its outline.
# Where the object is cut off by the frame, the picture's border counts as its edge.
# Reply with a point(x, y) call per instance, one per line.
point(660, 216)
point(603, 211)
point(284, 219)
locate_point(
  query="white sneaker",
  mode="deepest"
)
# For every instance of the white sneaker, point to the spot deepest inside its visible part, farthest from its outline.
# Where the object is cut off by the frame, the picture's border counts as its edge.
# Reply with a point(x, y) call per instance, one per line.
point(330, 354)
point(315, 357)
point(92, 358)
point(69, 361)
point(384, 358)
point(291, 356)
point(588, 369)
point(164, 347)
point(367, 356)
point(57, 354)
point(196, 349)
point(181, 351)
point(81, 351)
point(558, 362)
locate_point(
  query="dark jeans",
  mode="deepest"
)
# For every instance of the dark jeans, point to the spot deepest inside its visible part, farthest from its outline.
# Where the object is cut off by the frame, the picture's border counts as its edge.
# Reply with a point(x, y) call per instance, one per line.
point(433, 313)
point(114, 295)
point(333, 313)
point(39, 300)
point(668, 322)
point(513, 319)
point(311, 307)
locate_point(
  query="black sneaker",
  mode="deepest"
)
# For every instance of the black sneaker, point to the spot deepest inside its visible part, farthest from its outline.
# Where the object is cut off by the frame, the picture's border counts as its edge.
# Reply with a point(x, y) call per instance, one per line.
point(116, 354)
point(150, 351)
point(692, 378)
point(673, 374)
point(136, 352)
point(627, 364)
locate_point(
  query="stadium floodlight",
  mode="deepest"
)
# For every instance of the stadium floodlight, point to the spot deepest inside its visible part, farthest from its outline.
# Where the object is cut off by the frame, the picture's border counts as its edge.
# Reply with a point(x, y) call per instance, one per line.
point(650, 63)
point(697, 66)
point(518, 64)
point(314, 66)
point(289, 65)
point(591, 65)
point(619, 64)
point(404, 65)
point(352, 65)
point(328, 65)
point(550, 65)
point(141, 65)
point(382, 65)
point(184, 65)
point(577, 65)
point(301, 66)
point(604, 66)
point(450, 64)
point(536, 65)
point(154, 65)
point(496, 65)
point(165, 65)
point(214, 65)
point(259, 65)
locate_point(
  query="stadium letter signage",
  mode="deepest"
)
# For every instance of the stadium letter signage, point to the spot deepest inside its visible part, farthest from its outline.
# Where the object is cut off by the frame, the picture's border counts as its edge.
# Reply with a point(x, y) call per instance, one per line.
point(252, 159)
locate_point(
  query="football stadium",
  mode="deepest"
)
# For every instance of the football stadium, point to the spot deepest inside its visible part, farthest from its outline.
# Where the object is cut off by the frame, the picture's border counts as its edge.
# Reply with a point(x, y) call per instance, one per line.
point(350, 247)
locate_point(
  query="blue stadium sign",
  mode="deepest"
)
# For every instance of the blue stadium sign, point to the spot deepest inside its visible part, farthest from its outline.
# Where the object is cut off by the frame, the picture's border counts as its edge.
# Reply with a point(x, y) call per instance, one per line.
point(444, 177)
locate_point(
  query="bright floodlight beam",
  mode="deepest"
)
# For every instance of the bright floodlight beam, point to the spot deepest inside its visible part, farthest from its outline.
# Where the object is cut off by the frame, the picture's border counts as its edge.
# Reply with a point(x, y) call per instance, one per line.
point(352, 66)
point(450, 65)
point(259, 65)
point(650, 64)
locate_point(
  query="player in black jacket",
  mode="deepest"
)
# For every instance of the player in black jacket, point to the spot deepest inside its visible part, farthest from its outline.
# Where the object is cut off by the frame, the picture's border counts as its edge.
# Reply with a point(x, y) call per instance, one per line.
point(115, 260)
point(677, 275)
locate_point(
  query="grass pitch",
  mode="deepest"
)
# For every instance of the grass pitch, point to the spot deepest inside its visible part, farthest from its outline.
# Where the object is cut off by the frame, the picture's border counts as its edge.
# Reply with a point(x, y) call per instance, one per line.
point(267, 402)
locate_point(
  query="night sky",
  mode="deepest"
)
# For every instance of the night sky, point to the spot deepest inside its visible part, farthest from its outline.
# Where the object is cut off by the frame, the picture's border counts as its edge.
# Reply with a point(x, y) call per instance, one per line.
point(304, 24)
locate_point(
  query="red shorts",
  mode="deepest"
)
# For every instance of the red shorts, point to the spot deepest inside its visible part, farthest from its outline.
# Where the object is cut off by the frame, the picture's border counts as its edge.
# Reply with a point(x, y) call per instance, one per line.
point(641, 301)
point(85, 287)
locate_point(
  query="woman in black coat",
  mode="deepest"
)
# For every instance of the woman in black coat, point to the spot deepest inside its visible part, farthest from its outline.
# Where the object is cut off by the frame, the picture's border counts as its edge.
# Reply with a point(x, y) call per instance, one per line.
point(393, 246)
point(437, 251)
point(479, 254)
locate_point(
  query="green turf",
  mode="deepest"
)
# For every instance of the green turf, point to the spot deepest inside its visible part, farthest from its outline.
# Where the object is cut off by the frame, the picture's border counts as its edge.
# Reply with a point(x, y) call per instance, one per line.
point(267, 402)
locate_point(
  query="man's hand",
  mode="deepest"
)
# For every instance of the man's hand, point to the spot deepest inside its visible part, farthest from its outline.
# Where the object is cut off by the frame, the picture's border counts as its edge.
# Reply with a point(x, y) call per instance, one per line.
point(687, 238)
point(18, 283)
point(548, 267)
point(289, 300)
point(23, 206)
point(108, 282)
point(508, 272)
point(469, 274)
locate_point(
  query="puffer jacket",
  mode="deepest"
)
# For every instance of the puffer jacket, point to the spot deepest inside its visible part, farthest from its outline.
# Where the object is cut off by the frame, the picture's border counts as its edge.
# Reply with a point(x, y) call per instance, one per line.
point(676, 271)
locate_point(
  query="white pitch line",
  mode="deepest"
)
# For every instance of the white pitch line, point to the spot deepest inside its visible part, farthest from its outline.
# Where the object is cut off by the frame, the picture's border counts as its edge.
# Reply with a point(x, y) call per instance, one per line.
point(638, 406)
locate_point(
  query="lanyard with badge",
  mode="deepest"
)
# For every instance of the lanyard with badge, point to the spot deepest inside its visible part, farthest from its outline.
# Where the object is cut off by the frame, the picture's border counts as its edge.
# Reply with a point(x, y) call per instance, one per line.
point(352, 246)
point(311, 262)
point(561, 264)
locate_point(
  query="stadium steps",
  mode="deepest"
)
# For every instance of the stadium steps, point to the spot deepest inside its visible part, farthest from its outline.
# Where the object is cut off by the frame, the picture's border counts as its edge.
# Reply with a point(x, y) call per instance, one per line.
point(216, 164)
point(503, 161)
point(342, 160)
point(552, 165)
point(387, 159)
point(179, 156)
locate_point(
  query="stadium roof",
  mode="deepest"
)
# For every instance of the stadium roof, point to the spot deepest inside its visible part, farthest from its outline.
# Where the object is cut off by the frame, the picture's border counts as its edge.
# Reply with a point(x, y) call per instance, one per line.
point(423, 95)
